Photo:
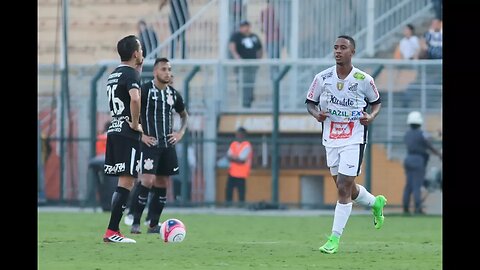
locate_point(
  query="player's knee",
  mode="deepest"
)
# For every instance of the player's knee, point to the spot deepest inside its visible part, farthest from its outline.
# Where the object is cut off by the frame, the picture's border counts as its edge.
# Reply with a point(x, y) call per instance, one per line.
point(147, 180)
point(126, 182)
point(161, 181)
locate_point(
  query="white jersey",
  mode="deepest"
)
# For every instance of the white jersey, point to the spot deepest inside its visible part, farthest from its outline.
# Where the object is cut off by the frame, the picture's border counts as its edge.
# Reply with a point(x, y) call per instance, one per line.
point(344, 100)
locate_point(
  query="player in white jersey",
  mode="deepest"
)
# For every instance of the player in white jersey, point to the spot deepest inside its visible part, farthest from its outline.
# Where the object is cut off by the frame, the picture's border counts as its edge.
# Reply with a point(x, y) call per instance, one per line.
point(338, 98)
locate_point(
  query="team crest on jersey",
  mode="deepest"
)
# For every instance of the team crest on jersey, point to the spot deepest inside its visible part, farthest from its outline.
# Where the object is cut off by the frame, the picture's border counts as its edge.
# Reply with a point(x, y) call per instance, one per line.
point(340, 85)
point(169, 97)
point(353, 87)
point(148, 165)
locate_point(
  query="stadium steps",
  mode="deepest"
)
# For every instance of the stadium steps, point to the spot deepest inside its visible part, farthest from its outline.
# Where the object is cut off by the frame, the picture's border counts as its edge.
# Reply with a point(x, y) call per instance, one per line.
point(386, 50)
point(96, 25)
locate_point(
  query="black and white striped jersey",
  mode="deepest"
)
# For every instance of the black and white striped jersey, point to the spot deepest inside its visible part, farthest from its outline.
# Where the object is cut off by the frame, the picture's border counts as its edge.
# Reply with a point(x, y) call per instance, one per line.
point(157, 108)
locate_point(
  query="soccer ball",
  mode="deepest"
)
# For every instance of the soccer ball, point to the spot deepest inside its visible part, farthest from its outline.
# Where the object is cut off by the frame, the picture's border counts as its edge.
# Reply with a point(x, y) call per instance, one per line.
point(172, 231)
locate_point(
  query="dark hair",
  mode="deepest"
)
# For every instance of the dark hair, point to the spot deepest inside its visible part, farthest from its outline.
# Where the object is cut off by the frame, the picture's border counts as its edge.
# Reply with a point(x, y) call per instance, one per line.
point(352, 41)
point(411, 28)
point(161, 59)
point(127, 46)
point(244, 22)
point(242, 130)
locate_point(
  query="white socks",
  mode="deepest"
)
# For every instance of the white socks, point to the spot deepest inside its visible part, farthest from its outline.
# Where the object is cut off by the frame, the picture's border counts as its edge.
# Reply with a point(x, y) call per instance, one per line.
point(364, 197)
point(342, 212)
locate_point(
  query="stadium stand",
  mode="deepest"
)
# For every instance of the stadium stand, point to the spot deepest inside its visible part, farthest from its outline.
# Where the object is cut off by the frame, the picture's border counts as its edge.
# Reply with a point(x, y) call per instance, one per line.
point(93, 25)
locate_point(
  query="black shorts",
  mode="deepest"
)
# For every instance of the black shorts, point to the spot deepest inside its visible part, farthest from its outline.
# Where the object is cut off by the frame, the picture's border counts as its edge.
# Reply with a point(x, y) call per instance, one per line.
point(159, 161)
point(122, 156)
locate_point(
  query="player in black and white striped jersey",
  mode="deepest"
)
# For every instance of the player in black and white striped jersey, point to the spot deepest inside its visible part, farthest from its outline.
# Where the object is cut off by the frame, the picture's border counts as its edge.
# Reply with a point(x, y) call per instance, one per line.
point(159, 101)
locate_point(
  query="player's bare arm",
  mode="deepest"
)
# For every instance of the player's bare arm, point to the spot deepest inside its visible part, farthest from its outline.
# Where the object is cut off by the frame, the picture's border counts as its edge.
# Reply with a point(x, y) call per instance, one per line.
point(317, 114)
point(175, 137)
point(235, 159)
point(433, 149)
point(135, 109)
point(162, 4)
point(233, 50)
point(368, 118)
point(259, 53)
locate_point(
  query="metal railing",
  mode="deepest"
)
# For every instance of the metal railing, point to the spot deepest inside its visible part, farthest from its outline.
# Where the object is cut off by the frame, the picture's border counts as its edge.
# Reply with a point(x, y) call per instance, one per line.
point(404, 85)
point(287, 28)
point(306, 31)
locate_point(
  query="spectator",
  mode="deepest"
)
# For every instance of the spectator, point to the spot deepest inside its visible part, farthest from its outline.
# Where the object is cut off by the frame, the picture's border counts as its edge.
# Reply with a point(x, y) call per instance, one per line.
point(105, 185)
point(101, 144)
point(237, 12)
point(244, 44)
point(240, 155)
point(271, 28)
point(438, 8)
point(44, 149)
point(148, 38)
point(409, 44)
point(415, 163)
point(179, 15)
point(432, 40)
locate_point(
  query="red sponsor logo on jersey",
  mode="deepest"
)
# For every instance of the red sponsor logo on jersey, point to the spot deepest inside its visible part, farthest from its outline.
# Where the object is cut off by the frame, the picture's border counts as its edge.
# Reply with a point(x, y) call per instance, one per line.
point(312, 88)
point(341, 130)
point(374, 87)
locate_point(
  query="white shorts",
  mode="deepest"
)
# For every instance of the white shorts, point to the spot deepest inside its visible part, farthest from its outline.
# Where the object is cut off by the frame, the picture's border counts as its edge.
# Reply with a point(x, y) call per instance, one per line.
point(346, 160)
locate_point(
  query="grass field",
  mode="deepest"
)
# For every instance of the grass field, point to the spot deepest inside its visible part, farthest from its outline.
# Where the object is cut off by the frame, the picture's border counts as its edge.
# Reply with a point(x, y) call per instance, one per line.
point(74, 241)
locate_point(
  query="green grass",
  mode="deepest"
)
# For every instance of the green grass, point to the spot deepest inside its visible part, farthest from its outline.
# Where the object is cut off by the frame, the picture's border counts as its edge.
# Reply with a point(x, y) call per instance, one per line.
point(74, 241)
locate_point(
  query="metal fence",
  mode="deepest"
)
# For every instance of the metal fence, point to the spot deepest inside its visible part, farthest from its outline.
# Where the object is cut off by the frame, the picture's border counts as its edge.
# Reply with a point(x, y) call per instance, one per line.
point(287, 28)
point(214, 92)
point(303, 32)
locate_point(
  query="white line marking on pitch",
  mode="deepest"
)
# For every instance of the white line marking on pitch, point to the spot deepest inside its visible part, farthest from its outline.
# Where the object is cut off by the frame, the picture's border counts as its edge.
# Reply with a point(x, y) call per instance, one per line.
point(261, 243)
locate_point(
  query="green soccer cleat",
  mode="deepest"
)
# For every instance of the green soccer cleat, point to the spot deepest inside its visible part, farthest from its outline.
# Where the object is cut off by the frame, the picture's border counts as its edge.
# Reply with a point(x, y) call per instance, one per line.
point(331, 246)
point(377, 209)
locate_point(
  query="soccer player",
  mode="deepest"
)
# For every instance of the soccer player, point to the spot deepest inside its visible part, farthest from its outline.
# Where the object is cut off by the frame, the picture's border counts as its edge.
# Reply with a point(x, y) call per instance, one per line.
point(338, 98)
point(125, 132)
point(159, 159)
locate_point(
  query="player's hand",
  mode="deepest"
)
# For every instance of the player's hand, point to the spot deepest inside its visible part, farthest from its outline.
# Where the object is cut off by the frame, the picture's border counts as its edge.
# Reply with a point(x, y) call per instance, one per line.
point(366, 119)
point(174, 137)
point(149, 140)
point(321, 116)
point(137, 127)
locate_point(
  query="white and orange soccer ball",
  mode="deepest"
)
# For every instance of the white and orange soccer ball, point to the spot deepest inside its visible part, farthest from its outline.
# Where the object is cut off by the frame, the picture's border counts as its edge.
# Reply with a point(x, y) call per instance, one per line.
point(173, 231)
